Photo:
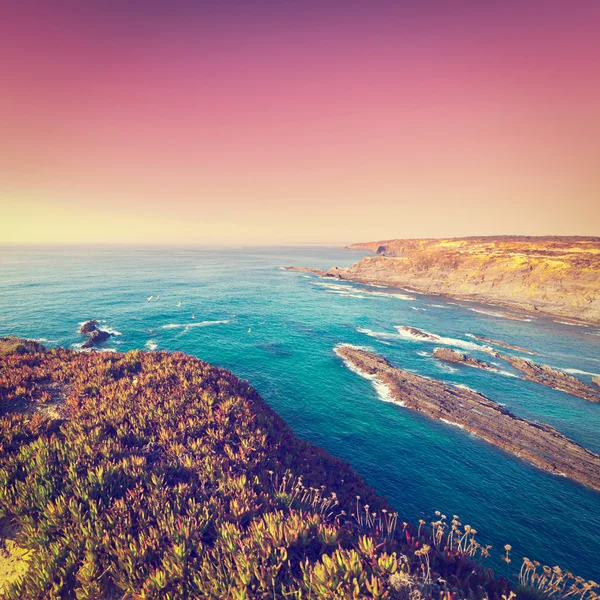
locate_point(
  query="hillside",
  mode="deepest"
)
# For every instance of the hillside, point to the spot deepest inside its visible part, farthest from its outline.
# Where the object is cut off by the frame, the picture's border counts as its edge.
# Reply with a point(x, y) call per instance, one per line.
point(156, 475)
point(553, 276)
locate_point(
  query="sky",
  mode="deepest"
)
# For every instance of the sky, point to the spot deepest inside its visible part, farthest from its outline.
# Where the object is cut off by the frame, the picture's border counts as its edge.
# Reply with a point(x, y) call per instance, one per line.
point(297, 122)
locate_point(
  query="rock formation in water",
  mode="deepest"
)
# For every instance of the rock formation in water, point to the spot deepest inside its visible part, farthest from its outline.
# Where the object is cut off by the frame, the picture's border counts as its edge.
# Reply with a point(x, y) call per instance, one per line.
point(488, 340)
point(89, 326)
point(96, 336)
point(553, 378)
point(552, 276)
point(457, 357)
point(539, 444)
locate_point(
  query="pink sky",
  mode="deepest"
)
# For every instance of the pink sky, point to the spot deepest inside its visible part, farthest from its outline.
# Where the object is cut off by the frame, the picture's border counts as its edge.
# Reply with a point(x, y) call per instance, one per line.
point(298, 122)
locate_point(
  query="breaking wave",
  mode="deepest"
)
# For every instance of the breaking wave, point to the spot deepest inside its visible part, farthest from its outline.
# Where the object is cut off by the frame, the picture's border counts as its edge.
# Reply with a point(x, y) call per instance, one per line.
point(406, 333)
point(383, 391)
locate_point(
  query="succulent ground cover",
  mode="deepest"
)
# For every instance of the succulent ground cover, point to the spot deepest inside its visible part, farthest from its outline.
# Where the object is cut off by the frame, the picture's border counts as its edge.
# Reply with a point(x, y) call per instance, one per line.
point(161, 476)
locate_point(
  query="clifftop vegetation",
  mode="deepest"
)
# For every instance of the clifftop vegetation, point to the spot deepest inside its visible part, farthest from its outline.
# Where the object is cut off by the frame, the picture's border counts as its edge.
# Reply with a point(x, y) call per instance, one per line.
point(156, 475)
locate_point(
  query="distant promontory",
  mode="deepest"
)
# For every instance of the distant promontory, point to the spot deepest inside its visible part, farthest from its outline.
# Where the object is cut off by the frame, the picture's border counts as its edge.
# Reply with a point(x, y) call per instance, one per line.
point(558, 277)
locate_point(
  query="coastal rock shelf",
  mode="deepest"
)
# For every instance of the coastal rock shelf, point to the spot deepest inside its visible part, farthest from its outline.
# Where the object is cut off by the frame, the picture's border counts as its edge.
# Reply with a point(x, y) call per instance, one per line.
point(539, 444)
point(542, 276)
point(553, 378)
point(454, 356)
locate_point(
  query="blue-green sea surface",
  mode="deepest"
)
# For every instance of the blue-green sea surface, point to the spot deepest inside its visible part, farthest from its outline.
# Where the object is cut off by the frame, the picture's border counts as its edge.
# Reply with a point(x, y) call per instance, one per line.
point(237, 308)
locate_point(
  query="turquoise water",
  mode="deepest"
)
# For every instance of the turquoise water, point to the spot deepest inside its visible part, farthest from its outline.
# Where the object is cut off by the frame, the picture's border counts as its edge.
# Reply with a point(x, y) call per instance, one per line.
point(278, 329)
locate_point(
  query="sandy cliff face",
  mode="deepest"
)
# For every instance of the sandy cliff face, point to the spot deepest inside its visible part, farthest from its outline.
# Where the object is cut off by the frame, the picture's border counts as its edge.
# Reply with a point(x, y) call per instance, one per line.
point(554, 276)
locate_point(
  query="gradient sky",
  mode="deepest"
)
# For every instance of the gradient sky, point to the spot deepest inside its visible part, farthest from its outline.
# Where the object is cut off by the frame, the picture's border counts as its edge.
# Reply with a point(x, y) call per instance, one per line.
point(298, 122)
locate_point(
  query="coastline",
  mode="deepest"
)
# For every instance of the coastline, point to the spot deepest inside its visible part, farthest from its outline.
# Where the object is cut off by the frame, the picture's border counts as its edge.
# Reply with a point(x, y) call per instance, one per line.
point(523, 311)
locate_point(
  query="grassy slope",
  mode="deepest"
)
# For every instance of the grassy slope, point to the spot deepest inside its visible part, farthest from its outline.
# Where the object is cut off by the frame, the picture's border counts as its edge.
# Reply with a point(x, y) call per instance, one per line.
point(164, 477)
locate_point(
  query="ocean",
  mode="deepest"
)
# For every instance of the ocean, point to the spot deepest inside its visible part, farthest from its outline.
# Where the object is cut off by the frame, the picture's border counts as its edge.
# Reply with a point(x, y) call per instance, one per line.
point(238, 309)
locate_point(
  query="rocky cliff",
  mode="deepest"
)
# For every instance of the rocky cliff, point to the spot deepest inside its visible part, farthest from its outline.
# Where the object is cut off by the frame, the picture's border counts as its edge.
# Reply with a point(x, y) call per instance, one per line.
point(553, 276)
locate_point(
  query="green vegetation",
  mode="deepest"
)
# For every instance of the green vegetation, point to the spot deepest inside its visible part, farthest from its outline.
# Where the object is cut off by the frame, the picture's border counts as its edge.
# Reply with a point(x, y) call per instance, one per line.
point(160, 476)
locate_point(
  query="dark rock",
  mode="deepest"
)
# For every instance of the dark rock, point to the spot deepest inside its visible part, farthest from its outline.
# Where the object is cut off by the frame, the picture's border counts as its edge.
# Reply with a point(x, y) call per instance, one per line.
point(98, 336)
point(89, 326)
point(455, 356)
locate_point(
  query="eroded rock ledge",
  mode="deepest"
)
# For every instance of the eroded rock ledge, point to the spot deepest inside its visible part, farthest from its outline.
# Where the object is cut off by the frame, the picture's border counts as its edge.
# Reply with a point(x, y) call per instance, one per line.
point(539, 444)
point(553, 378)
point(454, 356)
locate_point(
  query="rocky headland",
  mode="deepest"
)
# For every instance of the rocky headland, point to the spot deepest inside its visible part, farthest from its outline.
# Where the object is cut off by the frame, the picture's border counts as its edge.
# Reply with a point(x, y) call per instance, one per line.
point(546, 276)
point(539, 444)
point(96, 336)
point(454, 356)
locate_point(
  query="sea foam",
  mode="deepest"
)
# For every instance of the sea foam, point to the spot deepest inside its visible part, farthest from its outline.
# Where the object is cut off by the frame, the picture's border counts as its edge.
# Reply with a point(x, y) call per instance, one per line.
point(383, 391)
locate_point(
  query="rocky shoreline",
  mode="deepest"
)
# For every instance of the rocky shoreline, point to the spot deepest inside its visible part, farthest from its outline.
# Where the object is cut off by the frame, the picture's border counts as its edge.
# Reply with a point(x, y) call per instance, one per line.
point(539, 444)
point(537, 277)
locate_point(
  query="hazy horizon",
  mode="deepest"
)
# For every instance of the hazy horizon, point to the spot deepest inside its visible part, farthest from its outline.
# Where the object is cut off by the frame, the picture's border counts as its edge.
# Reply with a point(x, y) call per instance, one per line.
point(283, 123)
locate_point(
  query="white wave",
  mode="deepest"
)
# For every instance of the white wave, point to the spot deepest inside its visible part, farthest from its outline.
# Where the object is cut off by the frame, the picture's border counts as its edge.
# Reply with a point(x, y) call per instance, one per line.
point(112, 331)
point(422, 353)
point(572, 323)
point(437, 339)
point(578, 372)
point(506, 373)
point(345, 294)
point(346, 289)
point(462, 386)
point(446, 368)
point(189, 325)
point(151, 345)
point(499, 315)
point(383, 391)
point(451, 423)
point(591, 333)
point(417, 308)
point(438, 305)
point(380, 335)
point(334, 286)
point(388, 295)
